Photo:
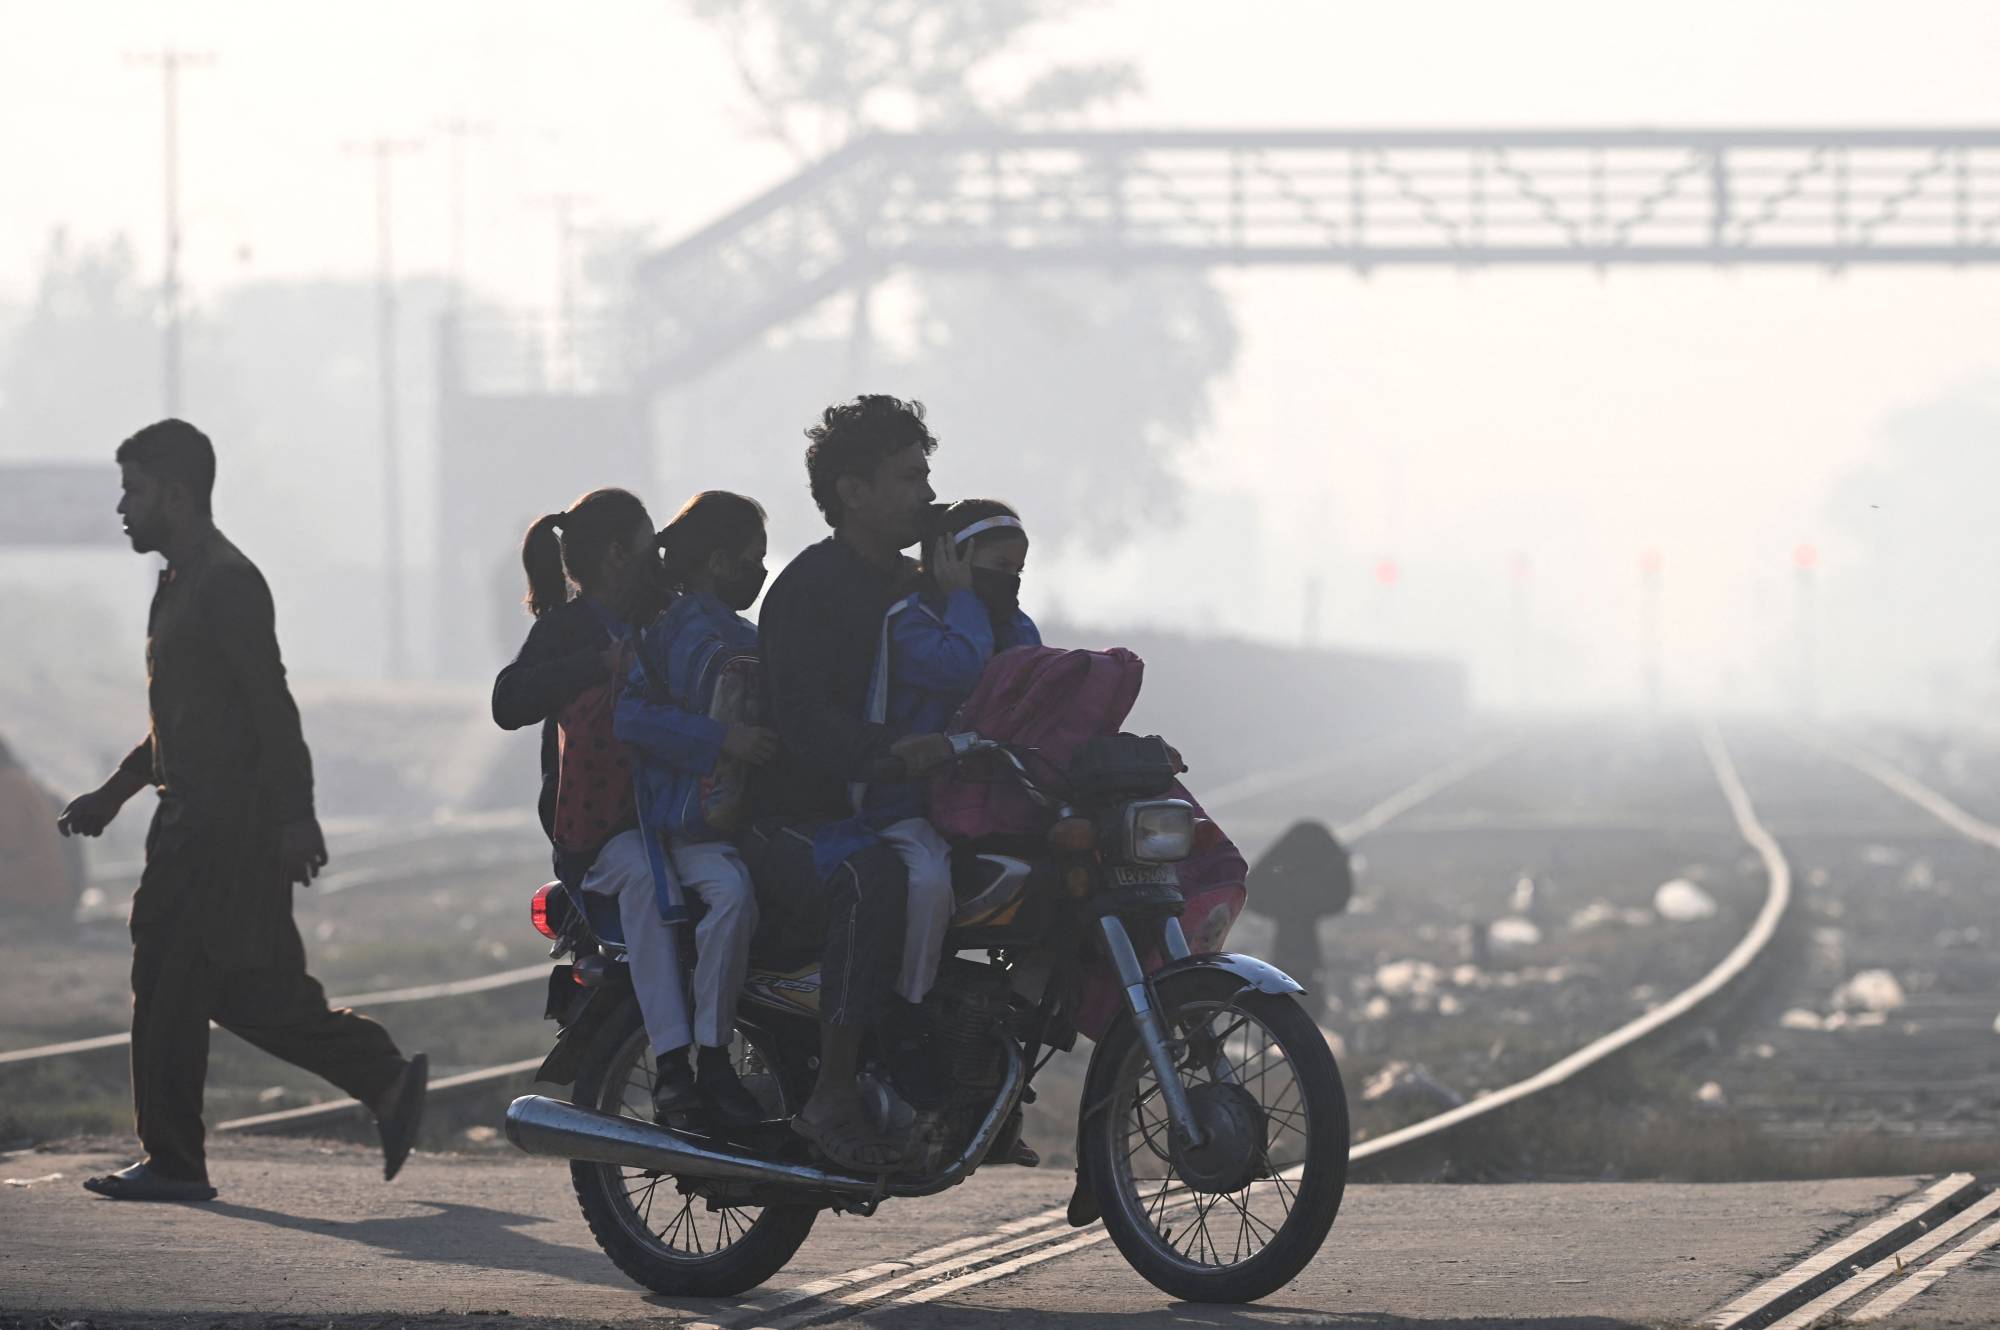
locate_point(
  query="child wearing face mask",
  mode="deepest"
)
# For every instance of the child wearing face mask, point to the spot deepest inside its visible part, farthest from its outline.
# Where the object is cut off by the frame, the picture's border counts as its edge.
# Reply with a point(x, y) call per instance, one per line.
point(688, 762)
point(936, 642)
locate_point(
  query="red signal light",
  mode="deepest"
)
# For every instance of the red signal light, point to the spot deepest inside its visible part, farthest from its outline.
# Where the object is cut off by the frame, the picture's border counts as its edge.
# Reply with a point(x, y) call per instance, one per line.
point(1805, 558)
point(1387, 573)
point(538, 912)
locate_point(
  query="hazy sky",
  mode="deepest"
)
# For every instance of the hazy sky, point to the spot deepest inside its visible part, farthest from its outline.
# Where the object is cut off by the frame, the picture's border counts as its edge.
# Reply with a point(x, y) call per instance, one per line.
point(1449, 419)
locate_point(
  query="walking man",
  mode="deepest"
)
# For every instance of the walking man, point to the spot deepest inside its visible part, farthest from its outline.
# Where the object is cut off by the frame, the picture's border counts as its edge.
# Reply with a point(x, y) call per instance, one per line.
point(212, 931)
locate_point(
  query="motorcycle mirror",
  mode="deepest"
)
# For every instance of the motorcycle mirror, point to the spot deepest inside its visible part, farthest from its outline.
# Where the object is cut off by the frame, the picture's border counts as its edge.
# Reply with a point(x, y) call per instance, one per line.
point(1302, 878)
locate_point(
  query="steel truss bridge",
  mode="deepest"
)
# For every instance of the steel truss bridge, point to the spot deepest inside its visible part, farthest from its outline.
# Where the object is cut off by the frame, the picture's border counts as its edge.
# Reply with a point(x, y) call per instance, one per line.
point(1364, 200)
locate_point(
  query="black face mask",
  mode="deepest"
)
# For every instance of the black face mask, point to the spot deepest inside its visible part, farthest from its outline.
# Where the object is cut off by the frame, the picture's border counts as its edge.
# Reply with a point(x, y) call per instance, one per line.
point(739, 590)
point(1000, 591)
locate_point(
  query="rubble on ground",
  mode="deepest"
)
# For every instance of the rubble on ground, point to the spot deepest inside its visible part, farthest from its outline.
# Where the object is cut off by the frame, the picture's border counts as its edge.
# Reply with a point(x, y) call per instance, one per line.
point(1682, 902)
point(1870, 991)
point(1512, 933)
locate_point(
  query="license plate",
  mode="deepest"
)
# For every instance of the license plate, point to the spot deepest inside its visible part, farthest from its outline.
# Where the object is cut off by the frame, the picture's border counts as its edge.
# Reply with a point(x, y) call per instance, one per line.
point(1152, 875)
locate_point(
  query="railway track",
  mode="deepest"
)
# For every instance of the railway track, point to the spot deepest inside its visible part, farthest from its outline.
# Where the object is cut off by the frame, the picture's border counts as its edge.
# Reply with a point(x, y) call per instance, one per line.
point(1031, 1240)
point(1372, 818)
point(1880, 1033)
point(410, 858)
point(1034, 1239)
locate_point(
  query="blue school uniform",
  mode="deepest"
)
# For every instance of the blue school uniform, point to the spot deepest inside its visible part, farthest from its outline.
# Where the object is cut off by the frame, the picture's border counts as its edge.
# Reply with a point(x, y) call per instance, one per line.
point(935, 652)
point(677, 747)
point(674, 748)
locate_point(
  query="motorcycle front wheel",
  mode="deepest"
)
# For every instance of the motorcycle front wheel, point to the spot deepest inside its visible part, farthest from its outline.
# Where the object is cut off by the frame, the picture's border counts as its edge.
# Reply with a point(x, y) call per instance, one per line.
point(657, 1228)
point(1241, 1215)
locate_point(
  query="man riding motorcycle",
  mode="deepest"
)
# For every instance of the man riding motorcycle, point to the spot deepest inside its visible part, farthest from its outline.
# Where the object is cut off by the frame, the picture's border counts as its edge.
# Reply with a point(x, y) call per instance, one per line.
point(821, 629)
point(1211, 1130)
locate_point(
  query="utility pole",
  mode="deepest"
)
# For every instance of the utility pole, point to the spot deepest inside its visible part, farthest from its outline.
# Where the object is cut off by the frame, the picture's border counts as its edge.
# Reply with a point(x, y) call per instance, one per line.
point(457, 131)
point(384, 151)
point(565, 206)
point(170, 62)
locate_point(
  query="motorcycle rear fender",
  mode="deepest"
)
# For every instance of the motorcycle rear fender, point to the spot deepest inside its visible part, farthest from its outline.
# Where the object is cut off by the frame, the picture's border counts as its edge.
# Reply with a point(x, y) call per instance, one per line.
point(579, 1024)
point(1253, 973)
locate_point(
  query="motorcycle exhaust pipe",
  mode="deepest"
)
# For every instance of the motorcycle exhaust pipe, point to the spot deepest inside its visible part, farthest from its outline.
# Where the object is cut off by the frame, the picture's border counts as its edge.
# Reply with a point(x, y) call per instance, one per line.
point(539, 1125)
point(543, 1126)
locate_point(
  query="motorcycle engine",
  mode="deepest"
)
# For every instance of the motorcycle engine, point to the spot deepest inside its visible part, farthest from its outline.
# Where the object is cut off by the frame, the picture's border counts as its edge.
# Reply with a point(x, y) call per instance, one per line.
point(946, 1063)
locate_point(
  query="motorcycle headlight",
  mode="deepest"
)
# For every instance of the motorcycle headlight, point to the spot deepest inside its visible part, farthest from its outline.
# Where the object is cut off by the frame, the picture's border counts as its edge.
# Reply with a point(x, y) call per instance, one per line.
point(1159, 831)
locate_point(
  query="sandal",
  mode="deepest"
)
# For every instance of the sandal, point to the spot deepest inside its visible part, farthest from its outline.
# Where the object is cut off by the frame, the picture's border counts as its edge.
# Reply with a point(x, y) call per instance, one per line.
point(851, 1144)
point(142, 1182)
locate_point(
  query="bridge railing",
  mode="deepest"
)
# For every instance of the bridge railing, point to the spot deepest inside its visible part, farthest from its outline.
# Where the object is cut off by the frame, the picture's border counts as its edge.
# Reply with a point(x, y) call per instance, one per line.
point(1361, 199)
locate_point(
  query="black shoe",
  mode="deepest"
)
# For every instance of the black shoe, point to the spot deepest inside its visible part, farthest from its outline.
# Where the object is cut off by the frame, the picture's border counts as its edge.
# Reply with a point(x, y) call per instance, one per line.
point(676, 1102)
point(1023, 1155)
point(729, 1105)
point(401, 1113)
point(140, 1182)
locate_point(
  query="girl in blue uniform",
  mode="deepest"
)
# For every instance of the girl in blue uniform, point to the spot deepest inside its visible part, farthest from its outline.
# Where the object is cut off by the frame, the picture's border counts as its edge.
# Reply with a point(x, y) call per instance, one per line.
point(936, 643)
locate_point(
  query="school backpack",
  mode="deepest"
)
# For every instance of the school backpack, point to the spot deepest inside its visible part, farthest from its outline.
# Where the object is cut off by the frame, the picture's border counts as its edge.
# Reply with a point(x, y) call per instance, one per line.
point(1053, 700)
point(709, 675)
point(594, 799)
point(1043, 698)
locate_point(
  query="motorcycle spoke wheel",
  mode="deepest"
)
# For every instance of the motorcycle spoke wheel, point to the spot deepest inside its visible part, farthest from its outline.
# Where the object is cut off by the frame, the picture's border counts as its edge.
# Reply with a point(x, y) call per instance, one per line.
point(1219, 1046)
point(674, 1222)
point(1241, 1214)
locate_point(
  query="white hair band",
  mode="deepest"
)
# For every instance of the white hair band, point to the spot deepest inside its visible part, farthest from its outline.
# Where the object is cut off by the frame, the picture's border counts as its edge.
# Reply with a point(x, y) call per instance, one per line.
point(988, 524)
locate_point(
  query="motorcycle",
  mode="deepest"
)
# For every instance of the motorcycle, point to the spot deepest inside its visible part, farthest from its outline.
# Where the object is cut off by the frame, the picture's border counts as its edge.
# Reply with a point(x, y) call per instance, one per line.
point(1212, 1133)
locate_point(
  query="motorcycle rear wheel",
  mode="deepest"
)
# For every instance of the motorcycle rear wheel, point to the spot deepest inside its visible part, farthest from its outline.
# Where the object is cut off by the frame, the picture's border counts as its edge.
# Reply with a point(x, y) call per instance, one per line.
point(1244, 1215)
point(666, 1239)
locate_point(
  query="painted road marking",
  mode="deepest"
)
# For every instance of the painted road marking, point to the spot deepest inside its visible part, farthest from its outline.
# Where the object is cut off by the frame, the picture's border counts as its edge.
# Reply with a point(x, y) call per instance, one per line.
point(1898, 1262)
point(1796, 1285)
point(1987, 1239)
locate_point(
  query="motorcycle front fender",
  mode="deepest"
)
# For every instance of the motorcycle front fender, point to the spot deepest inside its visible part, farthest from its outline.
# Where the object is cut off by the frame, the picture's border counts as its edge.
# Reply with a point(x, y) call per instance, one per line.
point(1253, 973)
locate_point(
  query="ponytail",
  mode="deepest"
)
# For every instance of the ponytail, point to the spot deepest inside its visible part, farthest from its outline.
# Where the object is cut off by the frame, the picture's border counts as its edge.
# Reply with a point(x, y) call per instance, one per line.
point(713, 520)
point(541, 556)
point(560, 545)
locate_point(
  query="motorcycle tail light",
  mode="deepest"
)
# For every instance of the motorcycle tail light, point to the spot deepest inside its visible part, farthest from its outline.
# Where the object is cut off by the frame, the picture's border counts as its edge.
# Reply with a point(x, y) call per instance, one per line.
point(1076, 835)
point(538, 913)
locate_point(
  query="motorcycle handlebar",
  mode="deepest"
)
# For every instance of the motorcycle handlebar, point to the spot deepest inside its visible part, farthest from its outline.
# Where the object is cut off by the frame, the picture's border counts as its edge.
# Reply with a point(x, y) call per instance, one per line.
point(968, 744)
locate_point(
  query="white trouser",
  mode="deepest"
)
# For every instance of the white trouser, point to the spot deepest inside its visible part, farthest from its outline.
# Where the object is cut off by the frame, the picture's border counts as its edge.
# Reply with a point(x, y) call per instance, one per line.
point(715, 875)
point(928, 859)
